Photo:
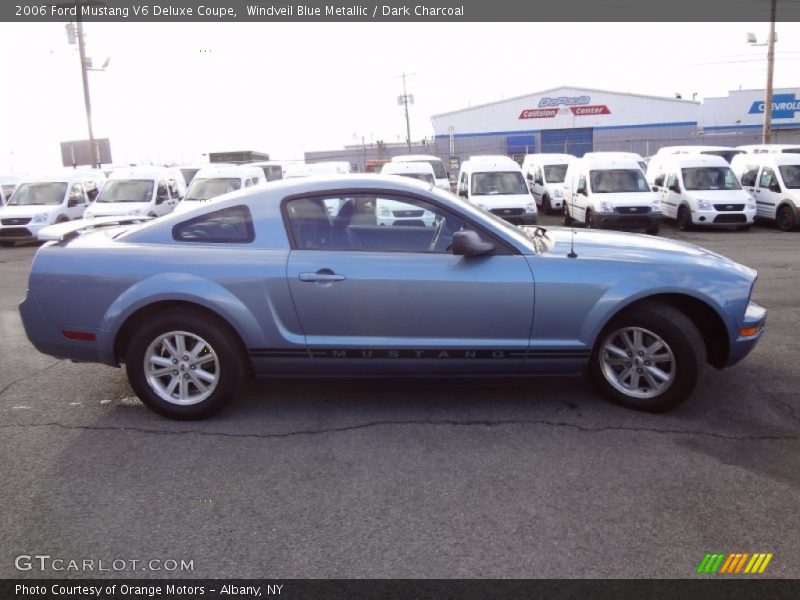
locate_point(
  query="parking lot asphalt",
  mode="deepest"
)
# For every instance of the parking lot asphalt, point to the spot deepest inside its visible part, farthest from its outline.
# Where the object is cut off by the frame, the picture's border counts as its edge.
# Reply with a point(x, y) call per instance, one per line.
point(535, 478)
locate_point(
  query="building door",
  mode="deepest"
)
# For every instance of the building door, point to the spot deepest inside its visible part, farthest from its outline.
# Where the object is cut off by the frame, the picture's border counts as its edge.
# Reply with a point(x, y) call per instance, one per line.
point(568, 141)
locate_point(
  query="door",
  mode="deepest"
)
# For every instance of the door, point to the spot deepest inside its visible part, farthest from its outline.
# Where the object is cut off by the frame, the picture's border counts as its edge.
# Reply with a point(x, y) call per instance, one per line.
point(376, 299)
point(76, 202)
point(538, 184)
point(767, 192)
point(670, 198)
point(165, 202)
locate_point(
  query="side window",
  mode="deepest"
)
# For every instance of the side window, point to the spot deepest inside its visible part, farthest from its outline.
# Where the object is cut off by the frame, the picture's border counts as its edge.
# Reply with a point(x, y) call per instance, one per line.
point(462, 183)
point(582, 184)
point(248, 182)
point(371, 223)
point(672, 180)
point(767, 177)
point(659, 180)
point(76, 195)
point(749, 176)
point(161, 192)
point(227, 226)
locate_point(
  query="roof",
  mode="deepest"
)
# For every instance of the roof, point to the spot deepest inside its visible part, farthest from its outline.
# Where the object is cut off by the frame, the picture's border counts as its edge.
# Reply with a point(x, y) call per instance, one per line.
point(142, 172)
point(564, 87)
point(228, 171)
point(696, 160)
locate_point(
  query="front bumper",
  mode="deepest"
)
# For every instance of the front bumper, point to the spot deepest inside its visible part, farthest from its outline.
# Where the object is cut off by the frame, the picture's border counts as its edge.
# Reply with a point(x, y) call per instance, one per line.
point(714, 218)
point(20, 233)
point(754, 318)
point(648, 220)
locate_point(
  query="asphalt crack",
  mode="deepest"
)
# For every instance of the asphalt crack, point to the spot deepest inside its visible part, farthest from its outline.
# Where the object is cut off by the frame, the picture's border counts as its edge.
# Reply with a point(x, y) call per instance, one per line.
point(412, 423)
point(8, 386)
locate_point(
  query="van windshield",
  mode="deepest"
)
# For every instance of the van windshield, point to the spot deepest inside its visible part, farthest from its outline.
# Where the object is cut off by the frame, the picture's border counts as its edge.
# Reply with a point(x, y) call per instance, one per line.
point(555, 173)
point(426, 177)
point(272, 172)
point(791, 176)
point(709, 178)
point(38, 193)
point(613, 181)
point(498, 182)
point(127, 190)
point(205, 189)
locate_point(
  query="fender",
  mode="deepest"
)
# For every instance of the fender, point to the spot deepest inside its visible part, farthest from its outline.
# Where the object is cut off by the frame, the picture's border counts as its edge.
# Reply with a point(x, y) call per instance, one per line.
point(162, 287)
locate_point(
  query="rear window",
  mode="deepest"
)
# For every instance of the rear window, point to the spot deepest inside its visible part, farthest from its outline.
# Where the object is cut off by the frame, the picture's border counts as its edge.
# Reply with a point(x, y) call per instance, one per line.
point(555, 173)
point(227, 226)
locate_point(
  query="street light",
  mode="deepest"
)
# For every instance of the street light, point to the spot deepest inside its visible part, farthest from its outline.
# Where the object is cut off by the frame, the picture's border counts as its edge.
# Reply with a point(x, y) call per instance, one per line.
point(770, 44)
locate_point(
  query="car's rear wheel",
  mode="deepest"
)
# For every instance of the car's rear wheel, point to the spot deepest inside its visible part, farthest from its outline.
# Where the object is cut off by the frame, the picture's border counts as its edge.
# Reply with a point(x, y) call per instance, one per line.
point(648, 358)
point(184, 365)
point(684, 219)
point(546, 207)
point(786, 218)
point(587, 223)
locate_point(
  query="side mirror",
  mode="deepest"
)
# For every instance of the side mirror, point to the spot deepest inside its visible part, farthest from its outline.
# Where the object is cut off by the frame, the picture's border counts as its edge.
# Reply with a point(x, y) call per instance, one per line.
point(539, 181)
point(654, 188)
point(72, 202)
point(582, 191)
point(775, 187)
point(161, 199)
point(462, 193)
point(675, 187)
point(469, 243)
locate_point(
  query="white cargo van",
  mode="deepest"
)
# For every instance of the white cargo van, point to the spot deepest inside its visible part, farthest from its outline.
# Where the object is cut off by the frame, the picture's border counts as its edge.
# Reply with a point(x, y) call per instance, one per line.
point(497, 185)
point(274, 170)
point(774, 182)
point(545, 176)
point(41, 201)
point(440, 174)
point(391, 212)
point(215, 181)
point(330, 167)
point(699, 189)
point(771, 148)
point(610, 193)
point(146, 191)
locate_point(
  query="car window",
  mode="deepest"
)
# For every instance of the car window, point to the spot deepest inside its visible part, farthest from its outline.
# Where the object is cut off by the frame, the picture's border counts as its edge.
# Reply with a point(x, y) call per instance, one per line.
point(618, 180)
point(767, 177)
point(76, 194)
point(791, 176)
point(232, 225)
point(491, 183)
point(371, 223)
point(672, 180)
point(749, 176)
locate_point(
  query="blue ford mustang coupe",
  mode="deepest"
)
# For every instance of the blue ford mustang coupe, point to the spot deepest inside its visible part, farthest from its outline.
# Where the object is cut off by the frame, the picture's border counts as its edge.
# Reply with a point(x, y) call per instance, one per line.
point(298, 278)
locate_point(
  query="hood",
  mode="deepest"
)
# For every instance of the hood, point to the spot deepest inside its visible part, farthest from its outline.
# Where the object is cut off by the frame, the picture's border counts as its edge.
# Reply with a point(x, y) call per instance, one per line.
point(636, 247)
point(720, 196)
point(502, 200)
point(11, 212)
point(103, 209)
point(627, 198)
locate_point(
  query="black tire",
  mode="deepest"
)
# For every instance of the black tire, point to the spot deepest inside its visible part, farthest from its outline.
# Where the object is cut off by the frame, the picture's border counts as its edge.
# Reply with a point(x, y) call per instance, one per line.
point(785, 218)
point(682, 338)
point(216, 333)
point(652, 230)
point(6, 244)
point(546, 207)
point(684, 219)
point(743, 228)
point(587, 223)
point(62, 219)
point(566, 219)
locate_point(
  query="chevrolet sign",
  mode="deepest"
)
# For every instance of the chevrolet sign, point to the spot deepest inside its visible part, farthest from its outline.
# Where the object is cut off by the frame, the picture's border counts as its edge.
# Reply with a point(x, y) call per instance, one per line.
point(784, 106)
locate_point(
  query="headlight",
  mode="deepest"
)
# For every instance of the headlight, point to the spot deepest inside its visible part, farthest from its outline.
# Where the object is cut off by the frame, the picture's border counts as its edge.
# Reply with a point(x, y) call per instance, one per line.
point(135, 211)
point(656, 205)
point(704, 205)
point(606, 207)
point(41, 218)
point(750, 205)
point(558, 194)
point(530, 208)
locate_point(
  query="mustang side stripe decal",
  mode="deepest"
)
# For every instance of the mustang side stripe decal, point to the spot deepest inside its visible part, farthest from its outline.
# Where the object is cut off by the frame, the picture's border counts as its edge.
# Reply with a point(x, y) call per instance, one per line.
point(421, 354)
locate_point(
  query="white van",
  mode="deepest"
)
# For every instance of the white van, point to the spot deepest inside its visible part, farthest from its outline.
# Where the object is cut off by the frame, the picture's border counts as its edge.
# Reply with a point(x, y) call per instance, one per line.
point(147, 191)
point(391, 212)
point(610, 193)
point(215, 181)
point(626, 155)
point(699, 189)
point(41, 201)
point(274, 170)
point(440, 174)
point(771, 148)
point(497, 185)
point(545, 176)
point(774, 182)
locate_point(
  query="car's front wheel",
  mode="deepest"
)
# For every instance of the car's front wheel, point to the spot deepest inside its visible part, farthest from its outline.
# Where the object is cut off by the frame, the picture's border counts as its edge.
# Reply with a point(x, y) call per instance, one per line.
point(567, 219)
point(546, 206)
point(684, 219)
point(184, 365)
point(786, 218)
point(648, 358)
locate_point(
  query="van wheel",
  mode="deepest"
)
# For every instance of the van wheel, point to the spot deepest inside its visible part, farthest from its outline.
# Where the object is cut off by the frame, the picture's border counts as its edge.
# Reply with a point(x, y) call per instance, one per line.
point(648, 358)
point(652, 230)
point(786, 218)
point(184, 365)
point(567, 220)
point(588, 220)
point(546, 208)
point(684, 219)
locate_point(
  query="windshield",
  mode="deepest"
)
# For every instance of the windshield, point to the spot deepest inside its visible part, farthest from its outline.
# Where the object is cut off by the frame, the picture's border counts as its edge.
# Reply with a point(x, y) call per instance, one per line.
point(438, 169)
point(38, 193)
point(555, 173)
point(272, 172)
point(188, 174)
point(127, 190)
point(498, 182)
point(726, 154)
point(204, 189)
point(791, 176)
point(612, 181)
point(709, 178)
point(426, 177)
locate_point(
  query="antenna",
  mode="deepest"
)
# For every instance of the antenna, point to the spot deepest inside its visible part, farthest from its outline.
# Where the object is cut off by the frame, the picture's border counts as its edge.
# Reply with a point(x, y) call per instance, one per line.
point(571, 253)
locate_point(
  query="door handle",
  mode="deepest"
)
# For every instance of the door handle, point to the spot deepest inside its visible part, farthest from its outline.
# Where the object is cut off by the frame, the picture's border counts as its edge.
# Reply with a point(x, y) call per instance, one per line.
point(758, 191)
point(321, 276)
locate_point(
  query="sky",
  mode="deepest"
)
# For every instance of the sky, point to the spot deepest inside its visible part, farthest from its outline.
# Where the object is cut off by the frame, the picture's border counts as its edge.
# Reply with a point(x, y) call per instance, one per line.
point(173, 92)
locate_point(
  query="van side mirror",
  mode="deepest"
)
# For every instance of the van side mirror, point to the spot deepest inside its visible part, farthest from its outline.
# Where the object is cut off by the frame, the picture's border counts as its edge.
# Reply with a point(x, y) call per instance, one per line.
point(72, 202)
point(582, 191)
point(462, 193)
point(675, 187)
point(775, 187)
point(469, 243)
point(654, 188)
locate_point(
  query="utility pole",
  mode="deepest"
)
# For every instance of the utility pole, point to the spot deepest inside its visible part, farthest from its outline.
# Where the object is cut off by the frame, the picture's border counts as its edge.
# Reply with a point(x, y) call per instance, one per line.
point(405, 99)
point(766, 136)
point(87, 100)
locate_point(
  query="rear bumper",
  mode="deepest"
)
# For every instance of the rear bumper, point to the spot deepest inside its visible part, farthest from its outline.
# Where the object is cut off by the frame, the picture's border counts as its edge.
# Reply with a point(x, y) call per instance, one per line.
point(755, 317)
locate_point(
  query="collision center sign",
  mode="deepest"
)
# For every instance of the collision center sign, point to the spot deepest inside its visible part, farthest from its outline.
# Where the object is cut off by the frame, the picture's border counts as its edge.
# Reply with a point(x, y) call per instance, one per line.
point(578, 106)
